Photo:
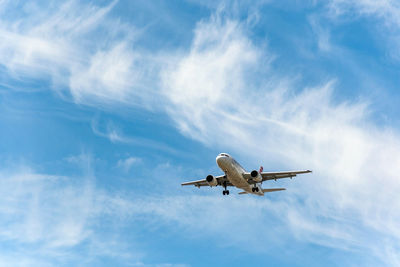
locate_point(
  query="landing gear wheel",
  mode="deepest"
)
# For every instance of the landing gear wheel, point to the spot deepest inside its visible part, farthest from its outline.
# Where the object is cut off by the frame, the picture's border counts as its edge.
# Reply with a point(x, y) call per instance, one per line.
point(225, 191)
point(255, 189)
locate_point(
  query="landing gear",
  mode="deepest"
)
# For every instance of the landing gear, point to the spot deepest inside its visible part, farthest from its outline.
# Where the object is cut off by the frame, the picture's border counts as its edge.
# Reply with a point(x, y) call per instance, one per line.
point(225, 192)
point(255, 189)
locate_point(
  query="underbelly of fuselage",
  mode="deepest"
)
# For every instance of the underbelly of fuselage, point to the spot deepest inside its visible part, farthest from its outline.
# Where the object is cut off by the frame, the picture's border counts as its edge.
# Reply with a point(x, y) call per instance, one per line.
point(235, 176)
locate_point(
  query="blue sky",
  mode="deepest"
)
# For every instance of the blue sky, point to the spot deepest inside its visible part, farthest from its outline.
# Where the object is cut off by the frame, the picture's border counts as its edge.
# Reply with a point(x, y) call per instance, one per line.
point(107, 106)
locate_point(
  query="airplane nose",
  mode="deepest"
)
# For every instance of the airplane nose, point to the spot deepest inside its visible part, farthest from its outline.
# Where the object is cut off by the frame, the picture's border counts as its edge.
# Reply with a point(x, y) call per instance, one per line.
point(220, 161)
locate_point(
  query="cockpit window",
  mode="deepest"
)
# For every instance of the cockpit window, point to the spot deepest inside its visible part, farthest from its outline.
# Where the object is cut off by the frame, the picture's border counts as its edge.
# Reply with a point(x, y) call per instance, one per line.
point(225, 155)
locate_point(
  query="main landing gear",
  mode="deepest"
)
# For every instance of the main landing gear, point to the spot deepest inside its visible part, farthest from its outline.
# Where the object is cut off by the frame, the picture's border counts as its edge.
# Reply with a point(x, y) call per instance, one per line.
point(255, 189)
point(225, 192)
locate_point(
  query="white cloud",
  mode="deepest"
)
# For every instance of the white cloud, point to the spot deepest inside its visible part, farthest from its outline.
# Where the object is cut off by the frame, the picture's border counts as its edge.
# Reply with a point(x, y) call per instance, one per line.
point(57, 220)
point(109, 130)
point(127, 163)
point(50, 220)
point(214, 99)
point(213, 96)
point(385, 23)
point(388, 10)
point(211, 74)
point(45, 218)
point(108, 75)
point(322, 33)
point(62, 43)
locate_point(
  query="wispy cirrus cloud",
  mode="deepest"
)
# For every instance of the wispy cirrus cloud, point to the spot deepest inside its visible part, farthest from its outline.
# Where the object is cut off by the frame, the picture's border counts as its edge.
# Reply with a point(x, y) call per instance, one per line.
point(127, 163)
point(51, 220)
point(213, 95)
point(383, 15)
point(280, 123)
point(211, 74)
point(387, 10)
point(63, 44)
point(115, 134)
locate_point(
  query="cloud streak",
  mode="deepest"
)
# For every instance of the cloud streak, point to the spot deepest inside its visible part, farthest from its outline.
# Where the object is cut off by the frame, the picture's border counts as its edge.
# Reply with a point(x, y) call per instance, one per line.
point(214, 94)
point(113, 133)
point(53, 220)
point(302, 127)
point(61, 43)
point(386, 13)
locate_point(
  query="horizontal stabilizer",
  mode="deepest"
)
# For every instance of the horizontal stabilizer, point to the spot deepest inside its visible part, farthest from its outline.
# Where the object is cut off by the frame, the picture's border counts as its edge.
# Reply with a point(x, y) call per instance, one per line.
point(265, 190)
point(273, 189)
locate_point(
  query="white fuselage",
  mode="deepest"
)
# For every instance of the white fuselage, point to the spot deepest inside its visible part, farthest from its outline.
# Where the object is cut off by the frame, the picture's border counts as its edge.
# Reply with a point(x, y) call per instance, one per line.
point(234, 173)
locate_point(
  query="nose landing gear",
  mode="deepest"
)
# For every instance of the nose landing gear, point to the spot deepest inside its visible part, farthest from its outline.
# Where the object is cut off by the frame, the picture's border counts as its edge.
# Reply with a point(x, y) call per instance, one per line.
point(225, 192)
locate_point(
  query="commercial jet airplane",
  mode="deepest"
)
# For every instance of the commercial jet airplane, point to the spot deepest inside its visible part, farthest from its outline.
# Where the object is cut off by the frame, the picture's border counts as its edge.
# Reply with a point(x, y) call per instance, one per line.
point(235, 175)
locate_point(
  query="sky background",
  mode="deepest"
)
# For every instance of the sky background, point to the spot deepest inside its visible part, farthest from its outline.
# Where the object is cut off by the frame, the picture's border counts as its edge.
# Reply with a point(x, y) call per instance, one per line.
point(107, 106)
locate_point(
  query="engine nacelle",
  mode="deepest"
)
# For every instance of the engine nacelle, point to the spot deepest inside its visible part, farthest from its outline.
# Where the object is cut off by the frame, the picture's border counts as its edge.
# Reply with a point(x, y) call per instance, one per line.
point(256, 176)
point(211, 180)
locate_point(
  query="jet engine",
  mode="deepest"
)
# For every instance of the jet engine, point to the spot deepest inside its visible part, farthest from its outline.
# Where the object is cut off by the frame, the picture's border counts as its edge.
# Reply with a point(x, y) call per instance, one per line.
point(211, 180)
point(256, 176)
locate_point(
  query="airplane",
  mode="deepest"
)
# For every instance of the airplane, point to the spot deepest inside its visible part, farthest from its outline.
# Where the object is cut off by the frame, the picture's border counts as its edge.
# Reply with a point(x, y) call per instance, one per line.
point(236, 175)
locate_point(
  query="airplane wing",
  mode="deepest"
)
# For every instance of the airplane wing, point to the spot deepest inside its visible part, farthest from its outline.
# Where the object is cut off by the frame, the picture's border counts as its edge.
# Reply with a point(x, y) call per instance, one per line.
point(274, 175)
point(199, 183)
